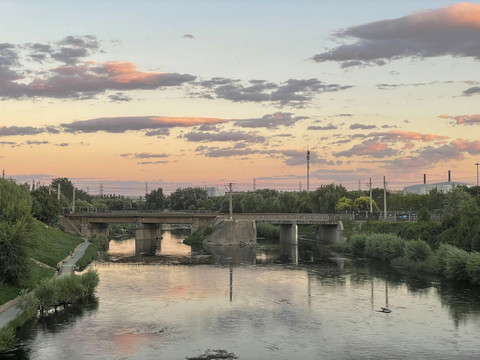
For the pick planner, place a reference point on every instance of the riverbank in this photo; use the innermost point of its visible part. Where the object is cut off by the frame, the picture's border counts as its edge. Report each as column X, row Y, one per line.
column 52, row 250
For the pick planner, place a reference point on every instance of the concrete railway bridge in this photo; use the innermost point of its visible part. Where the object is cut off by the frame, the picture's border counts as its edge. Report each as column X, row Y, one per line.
column 148, row 223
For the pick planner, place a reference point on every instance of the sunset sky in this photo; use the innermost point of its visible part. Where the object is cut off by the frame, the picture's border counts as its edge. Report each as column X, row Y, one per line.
column 204, row 93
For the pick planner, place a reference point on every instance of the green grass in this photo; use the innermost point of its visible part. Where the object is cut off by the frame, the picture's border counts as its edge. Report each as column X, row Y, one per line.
column 199, row 235
column 90, row 254
column 7, row 293
column 52, row 245
column 37, row 274
column 307, row 230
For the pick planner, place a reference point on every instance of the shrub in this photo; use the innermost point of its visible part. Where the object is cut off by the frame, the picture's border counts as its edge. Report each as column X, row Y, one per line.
column 384, row 247
column 268, row 231
column 89, row 281
column 101, row 240
column 7, row 339
column 417, row 250
column 454, row 262
column 47, row 295
column 70, row 289
column 473, row 267
column 357, row 244
column 423, row 215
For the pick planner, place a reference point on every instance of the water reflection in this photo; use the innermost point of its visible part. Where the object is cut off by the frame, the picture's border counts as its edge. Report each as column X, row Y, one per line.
column 312, row 306
column 170, row 243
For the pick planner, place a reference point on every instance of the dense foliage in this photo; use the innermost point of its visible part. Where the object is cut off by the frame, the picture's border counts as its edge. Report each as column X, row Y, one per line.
column 16, row 224
column 61, row 291
column 45, row 206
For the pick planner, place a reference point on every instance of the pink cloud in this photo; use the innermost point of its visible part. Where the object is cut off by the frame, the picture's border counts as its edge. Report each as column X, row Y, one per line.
column 472, row 147
column 463, row 119
column 398, row 135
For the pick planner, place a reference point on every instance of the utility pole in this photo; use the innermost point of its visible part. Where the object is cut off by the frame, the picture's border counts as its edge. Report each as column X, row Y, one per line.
column 477, row 172
column 371, row 202
column 146, row 188
column 254, row 184
column 384, row 199
column 3, row 173
column 308, row 170
column 230, row 207
column 73, row 200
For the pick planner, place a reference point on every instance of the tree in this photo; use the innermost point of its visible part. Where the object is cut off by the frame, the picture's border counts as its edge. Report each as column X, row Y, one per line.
column 363, row 204
column 326, row 197
column 45, row 206
column 155, row 200
column 182, row 199
column 288, row 202
column 16, row 230
column 251, row 202
column 423, row 214
column 66, row 187
column 344, row 204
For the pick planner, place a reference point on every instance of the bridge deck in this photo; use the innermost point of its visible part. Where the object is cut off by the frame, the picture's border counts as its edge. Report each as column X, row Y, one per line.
column 188, row 217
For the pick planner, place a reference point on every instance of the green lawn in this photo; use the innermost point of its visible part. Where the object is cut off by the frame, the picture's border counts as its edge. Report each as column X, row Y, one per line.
column 52, row 245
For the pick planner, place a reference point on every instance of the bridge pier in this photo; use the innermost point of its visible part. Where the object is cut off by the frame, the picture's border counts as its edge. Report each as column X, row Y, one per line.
column 146, row 236
column 91, row 229
column 289, row 234
column 289, row 242
column 330, row 233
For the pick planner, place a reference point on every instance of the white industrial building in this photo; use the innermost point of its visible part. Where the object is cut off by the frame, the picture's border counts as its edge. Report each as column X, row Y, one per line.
column 423, row 189
column 213, row 191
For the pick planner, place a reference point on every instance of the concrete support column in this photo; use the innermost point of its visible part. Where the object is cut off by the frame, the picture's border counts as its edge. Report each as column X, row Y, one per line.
column 91, row 229
column 146, row 236
column 289, row 234
column 330, row 233
column 289, row 242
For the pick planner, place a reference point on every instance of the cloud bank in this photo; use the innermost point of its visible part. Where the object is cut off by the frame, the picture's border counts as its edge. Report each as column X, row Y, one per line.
column 453, row 30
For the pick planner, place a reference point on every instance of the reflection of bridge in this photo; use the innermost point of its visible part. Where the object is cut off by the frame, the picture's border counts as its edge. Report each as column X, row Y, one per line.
column 147, row 223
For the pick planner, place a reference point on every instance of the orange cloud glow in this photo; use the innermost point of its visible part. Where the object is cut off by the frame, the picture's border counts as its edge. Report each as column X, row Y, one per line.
column 126, row 72
column 408, row 136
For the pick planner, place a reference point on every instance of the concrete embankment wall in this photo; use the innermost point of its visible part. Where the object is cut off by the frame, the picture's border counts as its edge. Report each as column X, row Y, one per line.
column 233, row 232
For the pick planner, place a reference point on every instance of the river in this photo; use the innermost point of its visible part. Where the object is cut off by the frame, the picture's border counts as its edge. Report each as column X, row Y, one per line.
column 253, row 305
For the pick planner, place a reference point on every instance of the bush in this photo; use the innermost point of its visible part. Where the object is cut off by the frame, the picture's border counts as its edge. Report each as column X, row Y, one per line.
column 454, row 262
column 47, row 295
column 101, row 241
column 268, row 231
column 199, row 235
column 7, row 339
column 473, row 267
column 89, row 281
column 384, row 247
column 357, row 244
column 423, row 215
column 417, row 250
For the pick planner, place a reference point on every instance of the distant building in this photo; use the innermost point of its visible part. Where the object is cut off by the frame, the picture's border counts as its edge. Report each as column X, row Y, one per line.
column 423, row 189
column 213, row 191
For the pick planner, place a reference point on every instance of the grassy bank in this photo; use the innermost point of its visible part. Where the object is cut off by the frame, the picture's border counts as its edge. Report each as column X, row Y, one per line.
column 50, row 246
column 98, row 246
column 199, row 235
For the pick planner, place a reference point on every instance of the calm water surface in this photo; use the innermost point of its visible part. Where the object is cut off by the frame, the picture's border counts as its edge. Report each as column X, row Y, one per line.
column 254, row 307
